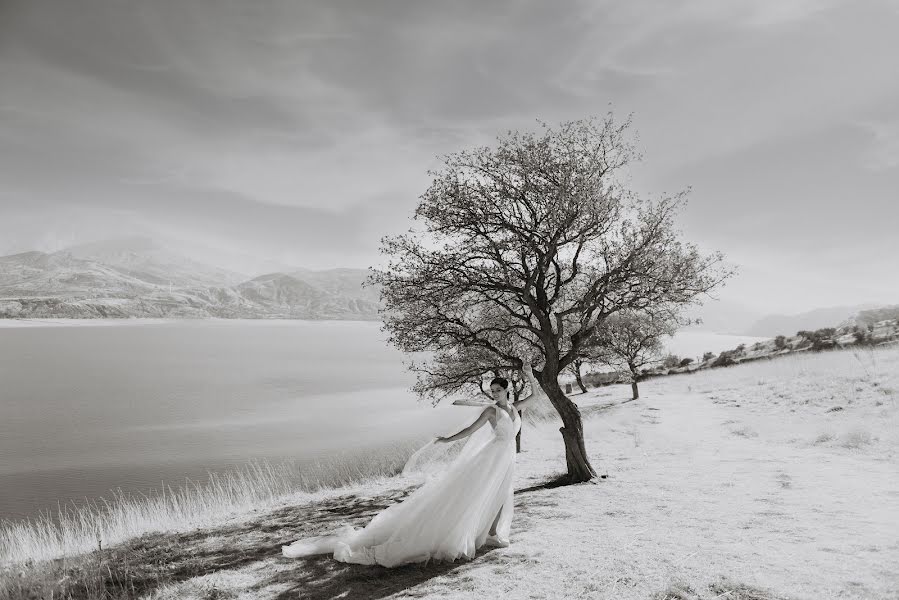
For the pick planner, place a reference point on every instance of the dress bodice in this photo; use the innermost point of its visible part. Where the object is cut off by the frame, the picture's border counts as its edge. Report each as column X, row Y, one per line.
column 506, row 426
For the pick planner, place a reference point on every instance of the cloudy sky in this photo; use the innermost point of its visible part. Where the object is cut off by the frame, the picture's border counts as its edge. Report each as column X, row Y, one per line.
column 301, row 132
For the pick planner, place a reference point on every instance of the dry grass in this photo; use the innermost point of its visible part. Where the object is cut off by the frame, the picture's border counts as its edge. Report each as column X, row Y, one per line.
column 76, row 531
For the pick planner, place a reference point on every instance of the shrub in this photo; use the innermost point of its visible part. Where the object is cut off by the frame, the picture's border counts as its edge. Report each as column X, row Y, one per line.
column 708, row 356
column 780, row 342
column 671, row 361
column 685, row 362
column 725, row 359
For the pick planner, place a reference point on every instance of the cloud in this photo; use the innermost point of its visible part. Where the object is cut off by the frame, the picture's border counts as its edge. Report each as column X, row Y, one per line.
column 883, row 152
column 302, row 132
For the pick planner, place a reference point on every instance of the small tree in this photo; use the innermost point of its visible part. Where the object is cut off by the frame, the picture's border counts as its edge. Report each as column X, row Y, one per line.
column 632, row 341
column 575, row 369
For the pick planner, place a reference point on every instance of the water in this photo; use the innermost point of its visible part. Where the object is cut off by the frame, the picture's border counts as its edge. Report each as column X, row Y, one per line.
column 91, row 406
column 87, row 408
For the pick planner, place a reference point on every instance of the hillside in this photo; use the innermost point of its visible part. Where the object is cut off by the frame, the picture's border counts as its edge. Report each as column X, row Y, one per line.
column 772, row 325
column 136, row 278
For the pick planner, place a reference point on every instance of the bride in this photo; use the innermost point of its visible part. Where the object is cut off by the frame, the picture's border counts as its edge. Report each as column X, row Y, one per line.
column 468, row 506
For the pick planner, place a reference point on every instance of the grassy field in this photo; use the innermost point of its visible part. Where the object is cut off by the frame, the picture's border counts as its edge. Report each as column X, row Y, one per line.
column 772, row 480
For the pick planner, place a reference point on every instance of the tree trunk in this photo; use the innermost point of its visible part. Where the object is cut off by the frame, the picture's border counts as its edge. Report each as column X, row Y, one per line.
column 518, row 437
column 517, row 391
column 577, row 375
column 635, row 390
column 579, row 468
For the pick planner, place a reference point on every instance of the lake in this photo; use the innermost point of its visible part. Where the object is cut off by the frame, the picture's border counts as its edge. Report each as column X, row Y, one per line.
column 91, row 406
column 86, row 408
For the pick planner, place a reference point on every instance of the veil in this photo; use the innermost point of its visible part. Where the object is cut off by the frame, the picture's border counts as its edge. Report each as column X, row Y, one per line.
column 433, row 459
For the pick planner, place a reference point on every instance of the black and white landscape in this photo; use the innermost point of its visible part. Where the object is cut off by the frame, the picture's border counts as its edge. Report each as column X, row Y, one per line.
column 136, row 278
column 266, row 265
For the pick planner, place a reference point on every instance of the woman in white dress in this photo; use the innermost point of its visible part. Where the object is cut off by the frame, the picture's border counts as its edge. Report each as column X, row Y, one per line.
column 453, row 515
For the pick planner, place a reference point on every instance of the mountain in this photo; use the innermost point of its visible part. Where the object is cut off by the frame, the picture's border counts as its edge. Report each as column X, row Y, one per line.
column 291, row 296
column 773, row 325
column 346, row 282
column 135, row 277
column 146, row 259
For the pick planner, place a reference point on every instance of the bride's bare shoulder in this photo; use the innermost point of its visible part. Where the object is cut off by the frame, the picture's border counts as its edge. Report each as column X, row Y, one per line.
column 488, row 414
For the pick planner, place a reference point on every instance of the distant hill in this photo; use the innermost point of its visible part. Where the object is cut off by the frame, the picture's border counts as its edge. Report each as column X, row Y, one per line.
column 773, row 325
column 145, row 258
column 134, row 277
column 875, row 315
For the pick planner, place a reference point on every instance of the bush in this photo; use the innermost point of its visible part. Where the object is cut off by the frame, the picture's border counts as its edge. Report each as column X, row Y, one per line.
column 780, row 342
column 708, row 356
column 604, row 378
column 741, row 347
column 671, row 361
column 725, row 359
column 685, row 362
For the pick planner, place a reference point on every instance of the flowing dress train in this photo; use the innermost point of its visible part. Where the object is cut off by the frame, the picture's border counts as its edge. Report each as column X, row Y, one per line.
column 446, row 518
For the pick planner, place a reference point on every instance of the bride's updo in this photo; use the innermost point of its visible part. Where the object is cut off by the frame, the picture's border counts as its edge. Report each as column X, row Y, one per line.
column 501, row 381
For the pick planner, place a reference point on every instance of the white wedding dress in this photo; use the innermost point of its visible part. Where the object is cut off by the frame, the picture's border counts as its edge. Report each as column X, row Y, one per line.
column 446, row 518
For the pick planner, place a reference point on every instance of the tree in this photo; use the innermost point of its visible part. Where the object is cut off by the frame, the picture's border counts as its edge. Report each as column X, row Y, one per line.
column 575, row 368
column 536, row 229
column 631, row 341
column 462, row 371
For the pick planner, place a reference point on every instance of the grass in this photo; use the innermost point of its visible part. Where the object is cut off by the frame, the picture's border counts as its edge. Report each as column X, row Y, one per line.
column 75, row 531
column 719, row 590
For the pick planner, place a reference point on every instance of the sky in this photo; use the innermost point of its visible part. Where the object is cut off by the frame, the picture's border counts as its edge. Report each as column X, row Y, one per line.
column 263, row 133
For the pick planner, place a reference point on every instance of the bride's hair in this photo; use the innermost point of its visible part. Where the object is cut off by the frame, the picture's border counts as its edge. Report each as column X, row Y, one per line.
column 502, row 381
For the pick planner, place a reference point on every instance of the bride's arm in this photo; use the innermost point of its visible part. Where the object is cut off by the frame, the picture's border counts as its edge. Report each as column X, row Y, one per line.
column 536, row 391
column 483, row 418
